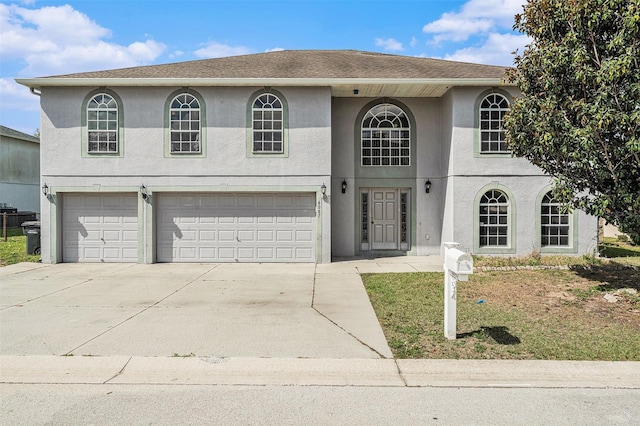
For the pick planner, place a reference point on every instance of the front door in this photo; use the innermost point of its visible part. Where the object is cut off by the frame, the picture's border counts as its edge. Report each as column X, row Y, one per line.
column 384, row 219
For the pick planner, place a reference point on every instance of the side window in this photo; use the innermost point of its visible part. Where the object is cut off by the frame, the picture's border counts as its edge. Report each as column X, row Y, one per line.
column 385, row 137
column 494, row 219
column 492, row 110
column 268, row 124
column 555, row 226
column 185, row 124
column 102, row 124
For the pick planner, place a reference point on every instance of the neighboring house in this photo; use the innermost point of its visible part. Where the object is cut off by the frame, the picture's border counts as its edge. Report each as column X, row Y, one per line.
column 19, row 170
column 290, row 156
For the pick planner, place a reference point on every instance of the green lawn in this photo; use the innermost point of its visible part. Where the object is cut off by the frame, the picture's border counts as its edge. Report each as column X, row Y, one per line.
column 524, row 314
column 621, row 251
column 14, row 250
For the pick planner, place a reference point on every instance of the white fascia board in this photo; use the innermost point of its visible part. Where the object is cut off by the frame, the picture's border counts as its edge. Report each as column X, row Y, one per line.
column 37, row 83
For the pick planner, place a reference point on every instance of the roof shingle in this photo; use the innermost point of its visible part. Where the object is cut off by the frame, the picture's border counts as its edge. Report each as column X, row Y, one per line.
column 307, row 64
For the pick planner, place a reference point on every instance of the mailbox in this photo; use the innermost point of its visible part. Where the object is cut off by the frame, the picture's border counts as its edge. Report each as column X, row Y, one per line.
column 458, row 265
column 459, row 262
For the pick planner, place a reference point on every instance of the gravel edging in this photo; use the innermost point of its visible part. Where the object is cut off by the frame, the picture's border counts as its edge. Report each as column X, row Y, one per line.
column 551, row 267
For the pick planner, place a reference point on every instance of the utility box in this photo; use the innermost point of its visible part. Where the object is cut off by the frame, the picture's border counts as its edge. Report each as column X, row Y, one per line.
column 32, row 230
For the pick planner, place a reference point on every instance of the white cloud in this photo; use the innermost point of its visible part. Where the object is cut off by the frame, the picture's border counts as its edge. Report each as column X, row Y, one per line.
column 497, row 50
column 476, row 17
column 275, row 49
column 414, row 42
column 219, row 50
column 17, row 97
column 59, row 39
column 389, row 44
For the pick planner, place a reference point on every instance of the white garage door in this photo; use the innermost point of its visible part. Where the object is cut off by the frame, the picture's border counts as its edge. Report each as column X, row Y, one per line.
column 236, row 228
column 100, row 228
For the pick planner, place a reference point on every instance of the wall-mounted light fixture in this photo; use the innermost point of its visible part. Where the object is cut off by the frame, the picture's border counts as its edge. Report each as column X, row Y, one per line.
column 356, row 91
column 45, row 190
column 427, row 186
column 344, row 186
column 323, row 188
column 143, row 192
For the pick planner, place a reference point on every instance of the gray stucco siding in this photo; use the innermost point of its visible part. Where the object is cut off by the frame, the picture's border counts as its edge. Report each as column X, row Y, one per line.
column 226, row 134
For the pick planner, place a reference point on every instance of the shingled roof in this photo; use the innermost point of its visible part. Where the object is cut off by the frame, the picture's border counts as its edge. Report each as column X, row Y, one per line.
column 345, row 72
column 299, row 64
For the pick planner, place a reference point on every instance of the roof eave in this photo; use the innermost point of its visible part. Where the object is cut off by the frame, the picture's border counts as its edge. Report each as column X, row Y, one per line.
column 38, row 83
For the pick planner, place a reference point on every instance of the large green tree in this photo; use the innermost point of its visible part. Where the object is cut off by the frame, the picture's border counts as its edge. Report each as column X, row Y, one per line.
column 578, row 117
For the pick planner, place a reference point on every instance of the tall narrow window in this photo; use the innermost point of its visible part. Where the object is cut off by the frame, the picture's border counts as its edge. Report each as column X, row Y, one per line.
column 364, row 237
column 185, row 124
column 385, row 137
column 494, row 219
column 554, row 223
column 492, row 111
column 267, row 124
column 102, row 124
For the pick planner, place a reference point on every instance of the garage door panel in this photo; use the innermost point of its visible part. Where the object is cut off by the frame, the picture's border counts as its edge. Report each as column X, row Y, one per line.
column 304, row 236
column 227, row 253
column 246, row 236
column 225, row 236
column 284, row 236
column 304, row 253
column 237, row 228
column 207, row 235
column 206, row 252
column 266, row 236
column 100, row 228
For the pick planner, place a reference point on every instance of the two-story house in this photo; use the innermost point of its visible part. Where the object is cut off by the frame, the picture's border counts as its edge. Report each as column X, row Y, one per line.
column 290, row 156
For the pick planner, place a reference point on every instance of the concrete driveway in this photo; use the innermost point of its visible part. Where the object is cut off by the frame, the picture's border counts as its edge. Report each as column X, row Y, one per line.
column 206, row 310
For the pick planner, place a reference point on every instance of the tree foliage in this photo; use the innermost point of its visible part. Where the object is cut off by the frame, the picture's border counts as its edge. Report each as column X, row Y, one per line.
column 578, row 117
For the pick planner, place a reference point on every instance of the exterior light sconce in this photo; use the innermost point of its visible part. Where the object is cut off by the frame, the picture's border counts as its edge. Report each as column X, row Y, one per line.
column 356, row 91
column 344, row 186
column 45, row 190
column 427, row 186
column 323, row 188
column 143, row 192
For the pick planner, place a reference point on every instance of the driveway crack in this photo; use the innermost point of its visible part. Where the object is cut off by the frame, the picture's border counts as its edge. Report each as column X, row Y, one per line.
column 119, row 372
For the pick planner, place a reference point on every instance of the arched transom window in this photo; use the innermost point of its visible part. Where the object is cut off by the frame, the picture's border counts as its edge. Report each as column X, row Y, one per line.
column 554, row 223
column 492, row 110
column 102, row 124
column 494, row 219
column 386, row 137
column 185, row 123
column 267, row 124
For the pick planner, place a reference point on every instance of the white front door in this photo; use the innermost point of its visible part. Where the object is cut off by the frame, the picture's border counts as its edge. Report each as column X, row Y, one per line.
column 385, row 215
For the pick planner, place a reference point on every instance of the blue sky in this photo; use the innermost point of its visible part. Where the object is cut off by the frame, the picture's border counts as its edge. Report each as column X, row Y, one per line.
column 43, row 38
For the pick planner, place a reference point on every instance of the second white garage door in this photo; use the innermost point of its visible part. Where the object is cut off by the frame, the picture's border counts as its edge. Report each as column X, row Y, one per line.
column 218, row 227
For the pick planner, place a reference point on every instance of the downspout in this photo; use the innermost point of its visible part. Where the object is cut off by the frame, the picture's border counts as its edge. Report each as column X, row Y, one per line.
column 35, row 92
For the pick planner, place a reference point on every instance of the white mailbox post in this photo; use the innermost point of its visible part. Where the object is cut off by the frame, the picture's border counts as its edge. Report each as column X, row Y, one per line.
column 458, row 265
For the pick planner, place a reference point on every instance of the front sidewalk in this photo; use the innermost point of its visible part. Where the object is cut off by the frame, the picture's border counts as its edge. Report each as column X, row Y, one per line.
column 318, row 372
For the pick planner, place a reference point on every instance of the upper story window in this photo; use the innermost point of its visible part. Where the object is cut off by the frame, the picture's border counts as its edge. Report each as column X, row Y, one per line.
column 494, row 219
column 268, row 119
column 492, row 136
column 385, row 137
column 102, row 124
column 185, row 124
column 555, row 225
